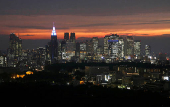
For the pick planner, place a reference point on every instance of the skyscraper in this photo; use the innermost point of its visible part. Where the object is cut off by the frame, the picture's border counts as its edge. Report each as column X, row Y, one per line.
column 53, row 45
column 95, row 43
column 121, row 48
column 63, row 50
column 137, row 48
column 82, row 50
column 89, row 47
column 147, row 50
column 72, row 37
column 106, row 45
column 14, row 50
column 113, row 46
column 66, row 36
column 130, row 46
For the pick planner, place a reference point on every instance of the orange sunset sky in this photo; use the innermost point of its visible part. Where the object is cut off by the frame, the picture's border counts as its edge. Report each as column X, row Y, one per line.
column 34, row 19
column 40, row 26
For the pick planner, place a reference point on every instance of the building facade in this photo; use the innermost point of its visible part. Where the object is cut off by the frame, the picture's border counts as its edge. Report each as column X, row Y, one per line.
column 14, row 50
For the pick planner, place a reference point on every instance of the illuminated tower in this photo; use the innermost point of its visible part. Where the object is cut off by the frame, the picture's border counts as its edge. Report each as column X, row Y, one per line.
column 113, row 46
column 53, row 45
column 95, row 43
column 14, row 50
column 137, row 48
column 106, row 45
column 121, row 47
column 147, row 50
column 130, row 46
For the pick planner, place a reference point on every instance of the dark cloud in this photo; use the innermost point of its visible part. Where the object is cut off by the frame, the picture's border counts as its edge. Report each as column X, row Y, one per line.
column 151, row 22
column 29, row 27
column 162, row 21
column 35, row 27
column 166, row 35
column 83, row 7
column 97, row 24
column 111, row 24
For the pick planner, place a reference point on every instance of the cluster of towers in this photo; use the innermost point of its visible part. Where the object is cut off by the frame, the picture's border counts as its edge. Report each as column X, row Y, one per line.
column 56, row 51
column 114, row 48
column 119, row 48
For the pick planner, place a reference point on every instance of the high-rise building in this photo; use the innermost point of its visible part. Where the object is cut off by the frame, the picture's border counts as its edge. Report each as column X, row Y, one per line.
column 106, row 45
column 130, row 46
column 53, row 45
column 66, row 36
column 41, row 56
column 3, row 60
column 82, row 50
column 95, row 43
column 59, row 50
column 137, row 48
column 89, row 47
column 14, row 50
column 63, row 50
column 121, row 48
column 70, row 50
column 113, row 46
column 99, row 50
column 147, row 50
column 47, row 47
column 77, row 54
column 72, row 37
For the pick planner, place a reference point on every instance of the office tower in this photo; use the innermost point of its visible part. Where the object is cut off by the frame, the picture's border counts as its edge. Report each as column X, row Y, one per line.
column 47, row 47
column 71, row 46
column 121, row 48
column 15, row 45
column 53, row 45
column 77, row 49
column 72, row 37
column 41, row 56
column 82, row 46
column 89, row 47
column 14, row 50
column 59, row 50
column 66, row 36
column 137, row 48
column 95, row 43
column 113, row 46
column 130, row 46
column 3, row 60
column 63, row 49
column 70, row 49
column 106, row 45
column 99, row 50
column 147, row 50
column 82, row 50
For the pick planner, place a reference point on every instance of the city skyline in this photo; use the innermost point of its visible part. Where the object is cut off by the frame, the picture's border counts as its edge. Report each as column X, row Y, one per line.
column 33, row 44
column 32, row 20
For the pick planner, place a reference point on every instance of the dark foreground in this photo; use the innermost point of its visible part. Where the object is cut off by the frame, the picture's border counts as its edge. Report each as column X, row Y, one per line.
column 41, row 94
